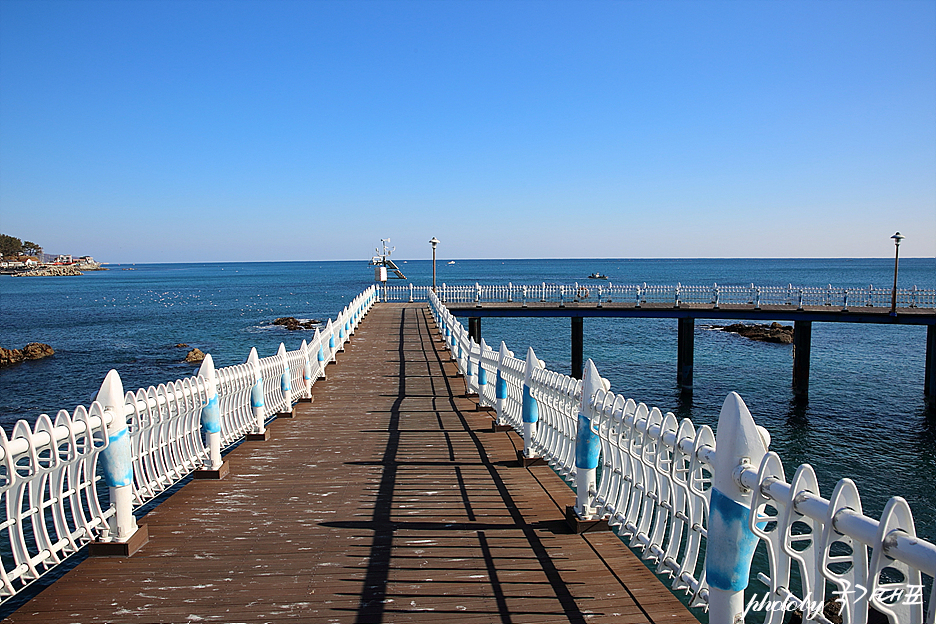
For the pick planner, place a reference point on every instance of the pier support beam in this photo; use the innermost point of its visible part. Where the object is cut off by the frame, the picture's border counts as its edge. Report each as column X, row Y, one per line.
column 685, row 350
column 474, row 328
column 929, row 379
column 578, row 342
column 802, row 340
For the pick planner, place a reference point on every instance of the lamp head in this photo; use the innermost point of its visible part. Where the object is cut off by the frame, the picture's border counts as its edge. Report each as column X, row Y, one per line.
column 434, row 241
column 897, row 238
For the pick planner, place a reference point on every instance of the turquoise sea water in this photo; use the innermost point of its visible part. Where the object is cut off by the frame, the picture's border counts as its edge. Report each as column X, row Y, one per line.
column 866, row 417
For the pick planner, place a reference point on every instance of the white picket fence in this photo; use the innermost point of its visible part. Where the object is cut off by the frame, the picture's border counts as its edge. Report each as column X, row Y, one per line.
column 52, row 474
column 600, row 292
column 670, row 489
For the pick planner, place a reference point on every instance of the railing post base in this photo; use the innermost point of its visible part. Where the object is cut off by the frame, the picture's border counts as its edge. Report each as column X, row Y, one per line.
column 121, row 549
column 213, row 474
column 290, row 414
column 310, row 399
column 258, row 437
column 497, row 427
column 526, row 462
column 580, row 526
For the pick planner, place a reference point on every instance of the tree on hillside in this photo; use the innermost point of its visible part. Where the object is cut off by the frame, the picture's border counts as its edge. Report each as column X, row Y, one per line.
column 10, row 246
column 31, row 249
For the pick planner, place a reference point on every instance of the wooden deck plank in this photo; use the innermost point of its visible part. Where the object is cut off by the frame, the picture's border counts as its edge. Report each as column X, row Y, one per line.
column 385, row 500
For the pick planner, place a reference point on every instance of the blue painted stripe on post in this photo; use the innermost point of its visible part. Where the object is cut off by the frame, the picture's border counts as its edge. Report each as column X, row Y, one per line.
column 587, row 446
column 284, row 382
column 530, row 408
column 115, row 460
column 211, row 416
column 500, row 387
column 728, row 567
column 256, row 395
column 482, row 376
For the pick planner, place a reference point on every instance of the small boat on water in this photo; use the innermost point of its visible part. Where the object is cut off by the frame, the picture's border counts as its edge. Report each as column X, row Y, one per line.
column 452, row 262
column 597, row 276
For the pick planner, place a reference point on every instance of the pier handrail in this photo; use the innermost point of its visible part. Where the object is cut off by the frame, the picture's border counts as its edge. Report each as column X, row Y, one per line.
column 140, row 444
column 670, row 489
column 600, row 292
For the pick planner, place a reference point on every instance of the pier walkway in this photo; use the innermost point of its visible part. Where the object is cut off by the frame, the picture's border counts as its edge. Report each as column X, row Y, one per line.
column 387, row 499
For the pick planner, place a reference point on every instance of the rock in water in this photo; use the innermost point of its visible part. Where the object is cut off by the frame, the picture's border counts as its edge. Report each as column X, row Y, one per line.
column 292, row 323
column 32, row 351
column 8, row 357
column 194, row 356
column 37, row 351
column 775, row 332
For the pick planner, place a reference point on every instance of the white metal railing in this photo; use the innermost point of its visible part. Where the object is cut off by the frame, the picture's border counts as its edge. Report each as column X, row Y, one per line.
column 557, row 396
column 698, row 513
column 600, row 292
column 487, row 375
column 139, row 444
column 166, row 440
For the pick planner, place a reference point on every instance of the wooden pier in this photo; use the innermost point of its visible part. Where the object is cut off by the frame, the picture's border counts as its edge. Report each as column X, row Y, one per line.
column 387, row 499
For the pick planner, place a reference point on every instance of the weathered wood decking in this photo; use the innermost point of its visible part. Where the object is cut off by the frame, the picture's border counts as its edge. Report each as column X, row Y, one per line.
column 385, row 500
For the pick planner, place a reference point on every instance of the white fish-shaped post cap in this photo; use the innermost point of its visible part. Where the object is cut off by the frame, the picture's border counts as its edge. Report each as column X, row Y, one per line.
column 253, row 360
column 532, row 363
column 111, row 394
column 592, row 382
column 207, row 370
column 738, row 440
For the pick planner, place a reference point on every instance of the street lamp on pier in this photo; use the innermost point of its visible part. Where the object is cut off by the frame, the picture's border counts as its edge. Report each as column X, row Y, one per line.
column 897, row 238
column 434, row 241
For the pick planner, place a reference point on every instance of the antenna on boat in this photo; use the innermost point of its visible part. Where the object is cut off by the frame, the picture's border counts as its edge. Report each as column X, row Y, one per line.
column 382, row 263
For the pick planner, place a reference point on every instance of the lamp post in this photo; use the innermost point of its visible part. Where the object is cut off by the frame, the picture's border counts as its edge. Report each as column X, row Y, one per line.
column 434, row 241
column 897, row 238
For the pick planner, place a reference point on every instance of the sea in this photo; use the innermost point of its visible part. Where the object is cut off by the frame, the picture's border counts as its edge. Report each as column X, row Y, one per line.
column 865, row 419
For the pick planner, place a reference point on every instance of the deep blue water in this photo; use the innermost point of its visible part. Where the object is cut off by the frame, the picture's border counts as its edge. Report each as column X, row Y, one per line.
column 866, row 417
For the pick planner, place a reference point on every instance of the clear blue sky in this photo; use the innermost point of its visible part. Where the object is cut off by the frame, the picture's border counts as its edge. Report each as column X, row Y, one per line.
column 288, row 130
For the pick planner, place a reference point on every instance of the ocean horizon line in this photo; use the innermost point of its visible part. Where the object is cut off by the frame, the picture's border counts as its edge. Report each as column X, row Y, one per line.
column 604, row 259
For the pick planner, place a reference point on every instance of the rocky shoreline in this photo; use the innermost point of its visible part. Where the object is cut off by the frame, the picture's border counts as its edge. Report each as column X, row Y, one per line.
column 49, row 271
column 32, row 351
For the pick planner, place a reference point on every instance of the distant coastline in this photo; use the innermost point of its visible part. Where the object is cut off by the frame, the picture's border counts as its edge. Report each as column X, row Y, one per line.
column 54, row 269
